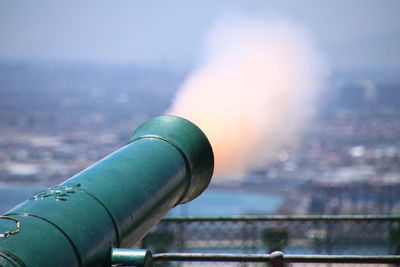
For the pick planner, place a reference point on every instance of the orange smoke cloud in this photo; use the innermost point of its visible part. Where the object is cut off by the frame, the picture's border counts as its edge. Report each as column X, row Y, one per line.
column 254, row 91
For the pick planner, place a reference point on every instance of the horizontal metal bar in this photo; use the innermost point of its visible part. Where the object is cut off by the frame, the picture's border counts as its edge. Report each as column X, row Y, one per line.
column 274, row 257
column 212, row 257
column 287, row 218
column 341, row 259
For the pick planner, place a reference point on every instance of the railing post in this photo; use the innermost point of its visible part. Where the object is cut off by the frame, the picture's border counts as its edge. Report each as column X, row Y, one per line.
column 277, row 259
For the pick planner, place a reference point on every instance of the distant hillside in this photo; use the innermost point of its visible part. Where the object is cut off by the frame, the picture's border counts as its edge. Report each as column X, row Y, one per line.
column 43, row 92
column 25, row 86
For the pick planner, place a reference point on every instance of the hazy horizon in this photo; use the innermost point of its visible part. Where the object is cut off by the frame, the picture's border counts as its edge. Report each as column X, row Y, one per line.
column 354, row 36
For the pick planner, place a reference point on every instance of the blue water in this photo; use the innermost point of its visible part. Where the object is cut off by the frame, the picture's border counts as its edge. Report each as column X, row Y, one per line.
column 10, row 197
column 212, row 202
column 219, row 202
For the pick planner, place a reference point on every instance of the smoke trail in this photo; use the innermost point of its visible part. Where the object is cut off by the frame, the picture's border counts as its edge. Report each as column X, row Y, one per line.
column 254, row 91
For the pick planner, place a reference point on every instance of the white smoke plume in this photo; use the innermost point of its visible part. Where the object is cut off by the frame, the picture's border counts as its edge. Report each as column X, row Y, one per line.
column 254, row 92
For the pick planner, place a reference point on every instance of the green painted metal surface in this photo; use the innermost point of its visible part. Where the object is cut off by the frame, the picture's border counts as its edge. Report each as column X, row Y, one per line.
column 114, row 202
column 131, row 257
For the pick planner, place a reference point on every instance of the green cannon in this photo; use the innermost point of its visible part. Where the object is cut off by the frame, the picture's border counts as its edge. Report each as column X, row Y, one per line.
column 111, row 204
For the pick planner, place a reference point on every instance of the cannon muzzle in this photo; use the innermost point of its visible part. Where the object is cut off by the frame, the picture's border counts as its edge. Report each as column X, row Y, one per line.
column 113, row 203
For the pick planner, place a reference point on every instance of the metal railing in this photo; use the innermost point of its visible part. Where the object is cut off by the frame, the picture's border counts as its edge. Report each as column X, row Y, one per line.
column 322, row 238
column 277, row 258
column 144, row 258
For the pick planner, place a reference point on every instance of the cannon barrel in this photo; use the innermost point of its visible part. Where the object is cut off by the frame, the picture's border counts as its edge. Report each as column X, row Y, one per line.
column 113, row 203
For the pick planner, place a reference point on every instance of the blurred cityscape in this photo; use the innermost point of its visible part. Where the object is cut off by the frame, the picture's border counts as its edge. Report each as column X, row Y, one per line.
column 57, row 118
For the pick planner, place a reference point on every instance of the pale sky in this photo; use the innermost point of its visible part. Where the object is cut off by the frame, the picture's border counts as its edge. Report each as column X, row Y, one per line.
column 352, row 34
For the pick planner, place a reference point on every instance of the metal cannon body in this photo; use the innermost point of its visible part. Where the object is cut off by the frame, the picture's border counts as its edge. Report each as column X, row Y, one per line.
column 113, row 203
